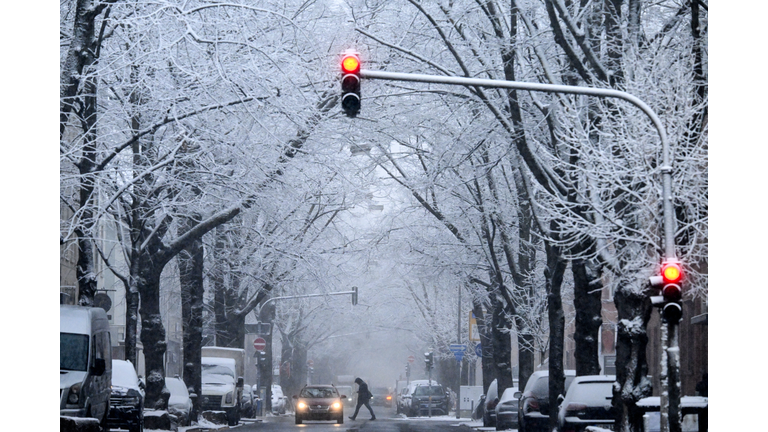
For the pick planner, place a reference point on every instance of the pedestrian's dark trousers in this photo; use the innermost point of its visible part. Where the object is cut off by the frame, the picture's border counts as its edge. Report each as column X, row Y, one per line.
column 367, row 405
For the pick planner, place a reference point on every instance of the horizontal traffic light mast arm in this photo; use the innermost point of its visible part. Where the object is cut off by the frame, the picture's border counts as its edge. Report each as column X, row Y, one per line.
column 304, row 296
column 666, row 168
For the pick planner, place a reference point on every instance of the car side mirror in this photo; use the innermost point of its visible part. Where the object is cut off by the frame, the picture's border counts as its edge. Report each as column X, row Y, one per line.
column 560, row 398
column 343, row 396
column 193, row 396
column 517, row 395
column 295, row 397
column 240, row 382
column 99, row 367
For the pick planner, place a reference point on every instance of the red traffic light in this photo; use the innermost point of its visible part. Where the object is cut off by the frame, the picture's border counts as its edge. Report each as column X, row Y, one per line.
column 671, row 273
column 350, row 64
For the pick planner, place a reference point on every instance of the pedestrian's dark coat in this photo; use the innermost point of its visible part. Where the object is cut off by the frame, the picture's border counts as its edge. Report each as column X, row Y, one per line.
column 362, row 391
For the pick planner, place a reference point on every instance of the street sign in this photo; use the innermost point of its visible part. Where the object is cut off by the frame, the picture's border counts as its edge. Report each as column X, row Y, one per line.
column 479, row 350
column 411, row 359
column 474, row 331
column 458, row 350
column 259, row 344
column 310, row 363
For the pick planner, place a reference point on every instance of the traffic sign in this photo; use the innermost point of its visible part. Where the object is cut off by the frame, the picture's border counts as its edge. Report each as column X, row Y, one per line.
column 458, row 350
column 411, row 359
column 479, row 350
column 259, row 344
column 310, row 363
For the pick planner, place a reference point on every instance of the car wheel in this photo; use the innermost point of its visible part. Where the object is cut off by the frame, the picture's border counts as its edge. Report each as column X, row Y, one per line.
column 298, row 420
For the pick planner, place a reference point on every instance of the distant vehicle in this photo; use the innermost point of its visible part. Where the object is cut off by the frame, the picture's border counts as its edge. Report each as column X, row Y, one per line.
column 491, row 399
column 85, row 363
column 533, row 414
column 246, row 404
column 381, row 396
column 507, row 409
column 351, row 395
column 279, row 400
column 222, row 379
column 588, row 403
column 319, row 402
column 126, row 406
column 427, row 399
column 180, row 402
column 405, row 396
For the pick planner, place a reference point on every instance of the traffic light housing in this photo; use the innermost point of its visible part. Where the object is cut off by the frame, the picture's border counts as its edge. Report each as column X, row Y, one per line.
column 350, row 83
column 408, row 369
column 429, row 360
column 262, row 357
column 670, row 285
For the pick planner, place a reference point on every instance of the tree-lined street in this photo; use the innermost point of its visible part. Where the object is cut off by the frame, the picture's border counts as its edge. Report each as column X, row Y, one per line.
column 223, row 177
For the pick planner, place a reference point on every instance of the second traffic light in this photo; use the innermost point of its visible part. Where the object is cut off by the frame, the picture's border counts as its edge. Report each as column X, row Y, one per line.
column 429, row 360
column 670, row 285
column 350, row 83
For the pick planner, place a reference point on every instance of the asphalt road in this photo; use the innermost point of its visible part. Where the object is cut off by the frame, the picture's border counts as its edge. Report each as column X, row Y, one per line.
column 386, row 421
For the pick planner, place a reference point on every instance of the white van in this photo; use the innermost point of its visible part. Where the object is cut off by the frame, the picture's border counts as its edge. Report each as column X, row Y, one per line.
column 85, row 362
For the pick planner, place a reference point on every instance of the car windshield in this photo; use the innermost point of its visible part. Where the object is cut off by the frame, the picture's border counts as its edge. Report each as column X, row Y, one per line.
column 319, row 392
column 176, row 386
column 123, row 375
column 428, row 391
column 592, row 392
column 73, row 352
column 216, row 374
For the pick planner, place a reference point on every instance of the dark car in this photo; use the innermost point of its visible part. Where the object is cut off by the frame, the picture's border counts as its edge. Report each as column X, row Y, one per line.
column 507, row 409
column 126, row 403
column 429, row 397
column 319, row 402
column 489, row 404
column 247, row 404
column 588, row 403
column 533, row 414
column 381, row 396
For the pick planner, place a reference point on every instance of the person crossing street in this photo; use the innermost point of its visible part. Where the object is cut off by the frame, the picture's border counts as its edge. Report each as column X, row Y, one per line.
column 363, row 398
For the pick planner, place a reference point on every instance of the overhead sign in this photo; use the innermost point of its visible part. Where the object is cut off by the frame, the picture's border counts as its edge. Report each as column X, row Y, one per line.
column 259, row 344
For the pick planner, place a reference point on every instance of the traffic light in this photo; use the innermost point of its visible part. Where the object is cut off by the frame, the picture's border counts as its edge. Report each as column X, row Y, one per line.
column 350, row 83
column 408, row 369
column 429, row 360
column 670, row 285
column 262, row 357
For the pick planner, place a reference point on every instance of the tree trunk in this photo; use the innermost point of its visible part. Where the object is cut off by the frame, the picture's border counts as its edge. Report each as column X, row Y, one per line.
column 587, row 301
column 191, row 262
column 502, row 346
column 634, row 312
column 554, row 279
column 153, row 337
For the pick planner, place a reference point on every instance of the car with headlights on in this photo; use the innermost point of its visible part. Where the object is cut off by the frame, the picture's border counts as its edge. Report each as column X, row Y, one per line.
column 428, row 400
column 319, row 402
column 588, row 403
column 381, row 396
column 507, row 409
column 126, row 402
column 351, row 395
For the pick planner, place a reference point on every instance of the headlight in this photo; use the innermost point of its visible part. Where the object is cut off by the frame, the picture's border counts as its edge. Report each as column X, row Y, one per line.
column 74, row 394
column 228, row 398
column 301, row 405
column 336, row 405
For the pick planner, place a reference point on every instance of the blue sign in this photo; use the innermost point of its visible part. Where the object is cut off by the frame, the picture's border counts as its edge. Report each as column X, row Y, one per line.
column 479, row 350
column 458, row 350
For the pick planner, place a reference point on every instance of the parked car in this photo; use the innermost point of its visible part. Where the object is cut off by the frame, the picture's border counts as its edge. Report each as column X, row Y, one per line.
column 533, row 414
column 319, row 402
column 404, row 399
column 126, row 402
column 507, row 409
column 491, row 399
column 85, row 362
column 247, row 404
column 588, row 403
column 279, row 400
column 429, row 398
column 381, row 396
column 180, row 402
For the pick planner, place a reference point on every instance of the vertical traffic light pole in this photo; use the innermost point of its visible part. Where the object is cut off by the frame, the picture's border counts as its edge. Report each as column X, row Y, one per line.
column 671, row 350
